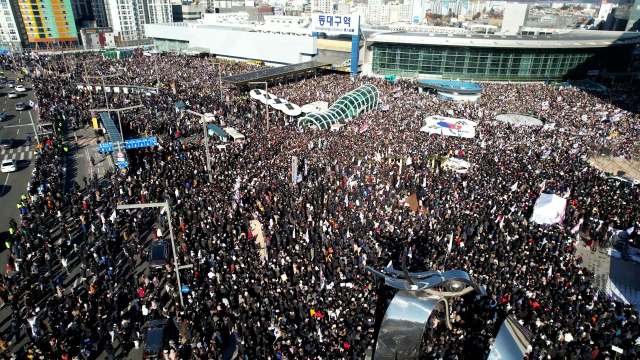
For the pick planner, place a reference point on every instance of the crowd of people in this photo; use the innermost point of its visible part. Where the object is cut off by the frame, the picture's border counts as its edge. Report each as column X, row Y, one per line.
column 278, row 265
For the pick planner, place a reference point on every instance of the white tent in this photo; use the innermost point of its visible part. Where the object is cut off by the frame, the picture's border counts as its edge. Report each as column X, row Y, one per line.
column 549, row 209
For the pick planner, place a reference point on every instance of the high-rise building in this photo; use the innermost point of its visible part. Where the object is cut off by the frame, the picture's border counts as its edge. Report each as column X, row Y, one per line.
column 158, row 11
column 99, row 13
column 321, row 6
column 81, row 9
column 49, row 23
column 127, row 17
column 13, row 34
column 375, row 11
column 515, row 15
column 634, row 17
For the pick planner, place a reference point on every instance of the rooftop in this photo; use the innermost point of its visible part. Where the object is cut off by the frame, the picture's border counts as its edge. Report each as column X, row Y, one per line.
column 574, row 39
column 274, row 73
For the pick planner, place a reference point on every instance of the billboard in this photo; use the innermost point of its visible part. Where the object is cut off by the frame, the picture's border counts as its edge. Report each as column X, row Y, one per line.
column 336, row 24
column 278, row 11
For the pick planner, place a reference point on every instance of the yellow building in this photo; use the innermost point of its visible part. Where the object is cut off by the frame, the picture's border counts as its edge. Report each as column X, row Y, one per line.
column 50, row 24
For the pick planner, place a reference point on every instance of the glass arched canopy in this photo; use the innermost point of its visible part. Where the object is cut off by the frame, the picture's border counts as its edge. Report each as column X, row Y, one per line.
column 362, row 99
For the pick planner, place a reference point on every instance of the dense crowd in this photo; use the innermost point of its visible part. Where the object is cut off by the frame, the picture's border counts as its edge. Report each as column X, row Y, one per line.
column 303, row 293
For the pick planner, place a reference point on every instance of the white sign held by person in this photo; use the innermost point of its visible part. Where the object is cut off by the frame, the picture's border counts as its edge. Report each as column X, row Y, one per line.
column 336, row 24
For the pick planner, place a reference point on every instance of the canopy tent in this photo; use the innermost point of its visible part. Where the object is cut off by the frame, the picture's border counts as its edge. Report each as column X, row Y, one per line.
column 549, row 209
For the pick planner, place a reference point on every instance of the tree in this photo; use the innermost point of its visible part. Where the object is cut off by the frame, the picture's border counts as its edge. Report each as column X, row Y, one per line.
column 476, row 16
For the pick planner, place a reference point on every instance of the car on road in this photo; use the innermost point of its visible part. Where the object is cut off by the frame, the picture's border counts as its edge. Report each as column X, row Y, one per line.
column 12, row 94
column 7, row 143
column 9, row 165
column 20, row 88
column 3, row 116
column 21, row 106
column 159, row 252
column 156, row 339
column 11, row 83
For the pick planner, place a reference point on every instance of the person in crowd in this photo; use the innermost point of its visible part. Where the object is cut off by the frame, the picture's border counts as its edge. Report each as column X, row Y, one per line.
column 277, row 264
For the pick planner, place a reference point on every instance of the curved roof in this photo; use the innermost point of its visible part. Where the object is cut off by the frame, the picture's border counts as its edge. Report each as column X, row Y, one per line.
column 573, row 39
column 445, row 85
column 362, row 99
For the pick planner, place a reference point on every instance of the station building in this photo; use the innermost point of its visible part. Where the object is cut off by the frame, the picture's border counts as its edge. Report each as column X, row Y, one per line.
column 383, row 51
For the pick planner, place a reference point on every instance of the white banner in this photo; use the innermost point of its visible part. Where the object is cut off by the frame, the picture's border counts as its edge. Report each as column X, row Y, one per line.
column 336, row 24
column 116, row 89
column 107, row 89
column 125, row 90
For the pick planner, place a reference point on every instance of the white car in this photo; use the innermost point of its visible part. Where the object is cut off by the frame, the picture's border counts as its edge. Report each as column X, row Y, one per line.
column 20, row 88
column 9, row 165
column 12, row 94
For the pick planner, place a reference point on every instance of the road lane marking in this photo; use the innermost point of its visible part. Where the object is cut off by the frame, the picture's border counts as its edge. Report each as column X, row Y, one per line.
column 5, row 185
column 18, row 132
column 21, row 156
column 3, row 151
column 30, row 154
column 5, row 157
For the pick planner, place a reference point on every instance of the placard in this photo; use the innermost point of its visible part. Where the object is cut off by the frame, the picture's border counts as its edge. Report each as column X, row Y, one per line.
column 336, row 24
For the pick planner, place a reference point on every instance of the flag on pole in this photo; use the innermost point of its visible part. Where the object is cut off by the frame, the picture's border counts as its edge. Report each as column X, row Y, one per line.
column 390, row 264
column 113, row 216
column 514, row 187
column 549, row 272
column 450, row 243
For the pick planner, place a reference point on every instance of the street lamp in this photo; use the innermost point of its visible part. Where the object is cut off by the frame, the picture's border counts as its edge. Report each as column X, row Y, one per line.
column 173, row 243
column 103, row 86
column 206, row 142
column 85, row 75
column 266, row 102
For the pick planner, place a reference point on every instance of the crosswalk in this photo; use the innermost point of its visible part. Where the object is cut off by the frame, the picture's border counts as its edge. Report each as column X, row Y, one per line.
column 18, row 153
column 87, row 141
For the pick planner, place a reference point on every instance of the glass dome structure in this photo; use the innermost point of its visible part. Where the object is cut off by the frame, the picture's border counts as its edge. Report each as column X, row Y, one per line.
column 362, row 99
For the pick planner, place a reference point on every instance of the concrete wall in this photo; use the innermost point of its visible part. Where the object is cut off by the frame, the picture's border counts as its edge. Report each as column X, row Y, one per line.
column 283, row 49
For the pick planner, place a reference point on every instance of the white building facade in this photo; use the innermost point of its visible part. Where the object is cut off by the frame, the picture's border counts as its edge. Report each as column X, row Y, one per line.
column 321, row 6
column 515, row 15
column 13, row 34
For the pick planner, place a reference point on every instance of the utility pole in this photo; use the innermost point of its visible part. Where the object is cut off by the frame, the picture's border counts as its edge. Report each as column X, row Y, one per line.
column 85, row 75
column 34, row 128
column 176, row 267
column 206, row 142
column 266, row 102
column 103, row 87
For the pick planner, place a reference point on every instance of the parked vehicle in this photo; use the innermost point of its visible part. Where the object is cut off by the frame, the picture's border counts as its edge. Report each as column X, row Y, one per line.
column 156, row 339
column 159, row 252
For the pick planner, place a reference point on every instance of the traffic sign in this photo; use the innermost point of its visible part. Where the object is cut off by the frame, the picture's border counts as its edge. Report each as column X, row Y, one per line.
column 106, row 146
column 185, row 289
column 138, row 143
column 120, row 156
column 123, row 164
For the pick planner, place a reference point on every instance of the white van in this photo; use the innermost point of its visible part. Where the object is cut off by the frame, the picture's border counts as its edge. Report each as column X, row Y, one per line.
column 234, row 134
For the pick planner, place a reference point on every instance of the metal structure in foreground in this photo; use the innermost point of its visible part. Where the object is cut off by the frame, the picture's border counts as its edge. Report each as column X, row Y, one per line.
column 425, row 294
column 173, row 244
column 206, row 142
